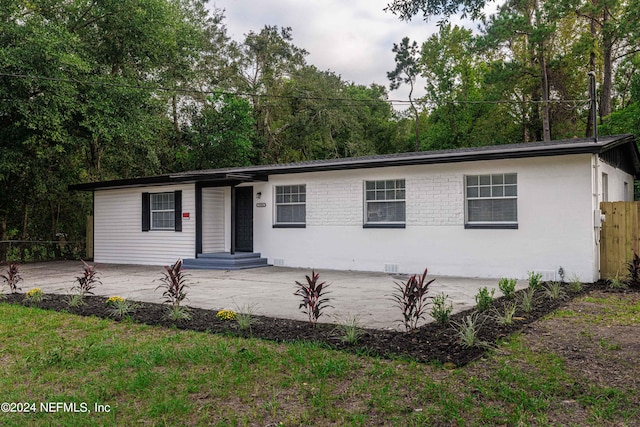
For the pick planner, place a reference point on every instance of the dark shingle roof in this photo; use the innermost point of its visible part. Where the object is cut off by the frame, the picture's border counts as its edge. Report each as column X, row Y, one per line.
column 509, row 151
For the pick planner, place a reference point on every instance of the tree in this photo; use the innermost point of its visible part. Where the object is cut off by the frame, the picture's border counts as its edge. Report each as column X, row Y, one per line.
column 407, row 69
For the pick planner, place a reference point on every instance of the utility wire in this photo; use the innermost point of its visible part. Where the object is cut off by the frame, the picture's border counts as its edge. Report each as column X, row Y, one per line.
column 351, row 101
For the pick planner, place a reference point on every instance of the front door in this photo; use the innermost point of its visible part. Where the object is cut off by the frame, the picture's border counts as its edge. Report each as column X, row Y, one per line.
column 244, row 219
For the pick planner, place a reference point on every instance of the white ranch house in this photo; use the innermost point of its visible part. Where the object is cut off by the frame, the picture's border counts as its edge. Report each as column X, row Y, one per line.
column 498, row 211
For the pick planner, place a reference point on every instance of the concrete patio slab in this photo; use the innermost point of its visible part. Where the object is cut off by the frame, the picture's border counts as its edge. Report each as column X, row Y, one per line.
column 268, row 290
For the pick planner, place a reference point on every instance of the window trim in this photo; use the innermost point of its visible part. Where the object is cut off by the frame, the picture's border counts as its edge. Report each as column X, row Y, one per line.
column 383, row 224
column 277, row 224
column 147, row 217
column 157, row 211
column 489, row 225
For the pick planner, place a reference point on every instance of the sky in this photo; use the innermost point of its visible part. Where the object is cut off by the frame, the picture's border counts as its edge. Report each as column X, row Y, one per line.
column 352, row 38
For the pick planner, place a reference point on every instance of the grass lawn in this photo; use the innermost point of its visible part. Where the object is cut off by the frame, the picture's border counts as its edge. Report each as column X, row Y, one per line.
column 155, row 376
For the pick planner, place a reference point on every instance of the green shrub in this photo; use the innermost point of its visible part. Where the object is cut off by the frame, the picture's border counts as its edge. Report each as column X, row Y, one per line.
column 439, row 309
column 484, row 299
column 508, row 287
column 535, row 280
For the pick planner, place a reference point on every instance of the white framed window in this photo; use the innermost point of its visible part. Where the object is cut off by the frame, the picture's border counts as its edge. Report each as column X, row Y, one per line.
column 163, row 211
column 491, row 201
column 385, row 203
column 290, row 205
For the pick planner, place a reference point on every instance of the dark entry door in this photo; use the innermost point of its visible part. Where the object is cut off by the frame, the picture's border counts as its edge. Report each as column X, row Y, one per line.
column 244, row 219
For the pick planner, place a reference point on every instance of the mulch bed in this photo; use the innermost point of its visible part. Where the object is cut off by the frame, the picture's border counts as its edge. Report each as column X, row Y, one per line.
column 429, row 343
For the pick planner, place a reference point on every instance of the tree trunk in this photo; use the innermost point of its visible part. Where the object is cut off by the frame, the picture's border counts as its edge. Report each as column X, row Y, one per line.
column 3, row 238
column 607, row 72
column 546, row 122
column 176, row 125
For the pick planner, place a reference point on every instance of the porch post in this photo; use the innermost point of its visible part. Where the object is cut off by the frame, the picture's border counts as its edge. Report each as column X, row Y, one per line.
column 198, row 219
column 233, row 219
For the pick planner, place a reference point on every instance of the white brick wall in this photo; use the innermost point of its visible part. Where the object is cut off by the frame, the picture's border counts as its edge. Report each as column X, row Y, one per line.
column 435, row 201
column 334, row 203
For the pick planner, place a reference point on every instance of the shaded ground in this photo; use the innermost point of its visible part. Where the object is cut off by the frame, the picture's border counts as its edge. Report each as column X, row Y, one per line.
column 430, row 343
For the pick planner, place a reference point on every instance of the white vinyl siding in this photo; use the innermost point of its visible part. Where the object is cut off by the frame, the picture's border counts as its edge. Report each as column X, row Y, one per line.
column 385, row 202
column 118, row 236
column 492, row 199
column 213, row 210
column 291, row 203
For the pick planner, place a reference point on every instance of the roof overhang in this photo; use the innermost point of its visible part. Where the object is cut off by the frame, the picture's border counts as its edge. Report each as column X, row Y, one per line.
column 234, row 176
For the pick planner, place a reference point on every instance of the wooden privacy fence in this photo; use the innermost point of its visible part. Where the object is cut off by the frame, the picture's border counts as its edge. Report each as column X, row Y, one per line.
column 619, row 237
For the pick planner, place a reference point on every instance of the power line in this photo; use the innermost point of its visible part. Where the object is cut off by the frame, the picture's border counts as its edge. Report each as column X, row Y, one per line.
column 351, row 101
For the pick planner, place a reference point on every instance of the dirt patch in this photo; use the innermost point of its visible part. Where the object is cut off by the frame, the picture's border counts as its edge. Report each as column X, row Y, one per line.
column 430, row 343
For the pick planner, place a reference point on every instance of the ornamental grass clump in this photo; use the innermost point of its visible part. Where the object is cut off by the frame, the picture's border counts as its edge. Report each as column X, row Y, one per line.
column 226, row 315
column 245, row 317
column 506, row 316
column 12, row 277
column 120, row 307
column 349, row 329
column 411, row 297
column 528, row 300
column 468, row 331
column 174, row 285
column 34, row 296
column 507, row 287
column 555, row 291
column 313, row 294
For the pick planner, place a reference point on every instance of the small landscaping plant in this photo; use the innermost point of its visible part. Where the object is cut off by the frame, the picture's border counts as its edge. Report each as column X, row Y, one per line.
column 468, row 331
column 439, row 309
column 88, row 281
column 75, row 300
column 12, row 277
column 617, row 283
column 527, row 301
column 575, row 284
column 313, row 294
column 484, row 299
column 411, row 297
column 174, row 285
column 507, row 287
column 33, row 296
column 226, row 315
column 120, row 307
column 350, row 329
column 245, row 317
column 554, row 291
column 505, row 317
column 633, row 268
column 535, row 280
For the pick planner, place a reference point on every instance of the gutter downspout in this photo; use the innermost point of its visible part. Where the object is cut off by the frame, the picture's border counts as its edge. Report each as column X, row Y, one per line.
column 596, row 216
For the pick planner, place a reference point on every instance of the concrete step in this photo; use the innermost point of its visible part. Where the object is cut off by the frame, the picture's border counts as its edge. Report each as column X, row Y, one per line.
column 225, row 261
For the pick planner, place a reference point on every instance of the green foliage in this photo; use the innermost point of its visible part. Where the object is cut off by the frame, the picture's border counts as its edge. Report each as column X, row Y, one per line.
column 174, row 284
column 439, row 309
column 245, row 317
column 468, row 330
column 34, row 296
column 411, row 298
column 575, row 284
column 313, row 295
column 507, row 314
column 484, row 298
column 528, row 299
column 119, row 308
column 350, row 329
column 75, row 300
column 12, row 277
column 89, row 279
column 508, row 287
column 535, row 280
column 555, row 290
column 176, row 313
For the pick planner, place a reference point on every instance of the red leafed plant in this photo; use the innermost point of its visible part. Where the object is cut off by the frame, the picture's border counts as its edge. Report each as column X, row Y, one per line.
column 313, row 297
column 175, row 283
column 411, row 297
column 89, row 279
column 12, row 277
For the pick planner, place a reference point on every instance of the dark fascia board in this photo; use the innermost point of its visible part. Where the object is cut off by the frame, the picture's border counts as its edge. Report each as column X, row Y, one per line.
column 261, row 173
